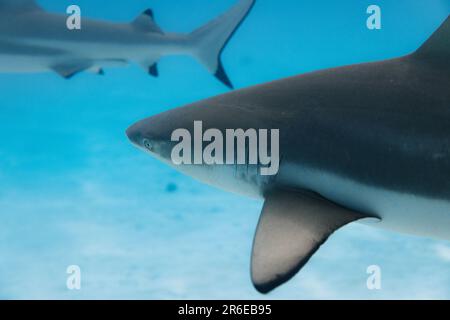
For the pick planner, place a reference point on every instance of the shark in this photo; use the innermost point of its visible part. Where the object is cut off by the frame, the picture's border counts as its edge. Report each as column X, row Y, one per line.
column 33, row 40
column 366, row 143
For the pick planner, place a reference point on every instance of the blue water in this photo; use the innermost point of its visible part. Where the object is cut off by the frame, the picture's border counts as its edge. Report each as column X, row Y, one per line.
column 73, row 191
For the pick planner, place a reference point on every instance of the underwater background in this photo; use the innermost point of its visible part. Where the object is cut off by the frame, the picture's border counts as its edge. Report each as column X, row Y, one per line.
column 74, row 191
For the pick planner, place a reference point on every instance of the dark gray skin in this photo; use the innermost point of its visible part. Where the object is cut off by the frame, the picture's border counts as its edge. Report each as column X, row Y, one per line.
column 373, row 139
column 348, row 120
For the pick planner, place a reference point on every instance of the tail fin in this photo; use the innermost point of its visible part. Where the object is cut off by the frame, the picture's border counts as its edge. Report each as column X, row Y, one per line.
column 209, row 41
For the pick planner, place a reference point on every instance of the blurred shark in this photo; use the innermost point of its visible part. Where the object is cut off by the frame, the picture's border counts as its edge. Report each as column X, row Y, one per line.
column 32, row 40
column 367, row 142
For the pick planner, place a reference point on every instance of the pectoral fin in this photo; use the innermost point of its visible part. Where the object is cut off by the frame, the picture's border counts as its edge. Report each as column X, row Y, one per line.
column 68, row 70
column 292, row 227
column 151, row 66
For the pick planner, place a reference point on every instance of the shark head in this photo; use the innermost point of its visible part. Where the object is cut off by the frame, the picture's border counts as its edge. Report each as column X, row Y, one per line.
column 152, row 136
column 214, row 143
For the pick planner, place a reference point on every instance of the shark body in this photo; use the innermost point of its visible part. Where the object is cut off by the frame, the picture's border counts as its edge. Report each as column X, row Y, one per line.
column 367, row 142
column 33, row 40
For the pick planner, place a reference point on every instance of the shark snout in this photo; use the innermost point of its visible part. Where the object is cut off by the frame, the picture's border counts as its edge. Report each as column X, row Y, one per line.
column 146, row 136
column 134, row 134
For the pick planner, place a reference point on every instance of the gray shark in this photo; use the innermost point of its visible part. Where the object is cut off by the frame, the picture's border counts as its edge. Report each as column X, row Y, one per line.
column 33, row 40
column 367, row 142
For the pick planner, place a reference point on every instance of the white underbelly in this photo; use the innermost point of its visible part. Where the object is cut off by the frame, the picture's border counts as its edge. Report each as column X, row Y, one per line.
column 406, row 213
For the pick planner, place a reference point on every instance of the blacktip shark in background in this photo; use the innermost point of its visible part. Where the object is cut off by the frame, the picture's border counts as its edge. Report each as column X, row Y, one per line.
column 367, row 142
column 33, row 40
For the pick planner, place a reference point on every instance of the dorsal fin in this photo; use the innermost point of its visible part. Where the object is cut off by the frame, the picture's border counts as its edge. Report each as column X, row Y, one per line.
column 437, row 48
column 18, row 5
column 146, row 22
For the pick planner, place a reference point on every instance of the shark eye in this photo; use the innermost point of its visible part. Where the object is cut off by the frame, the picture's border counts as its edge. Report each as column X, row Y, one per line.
column 147, row 144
